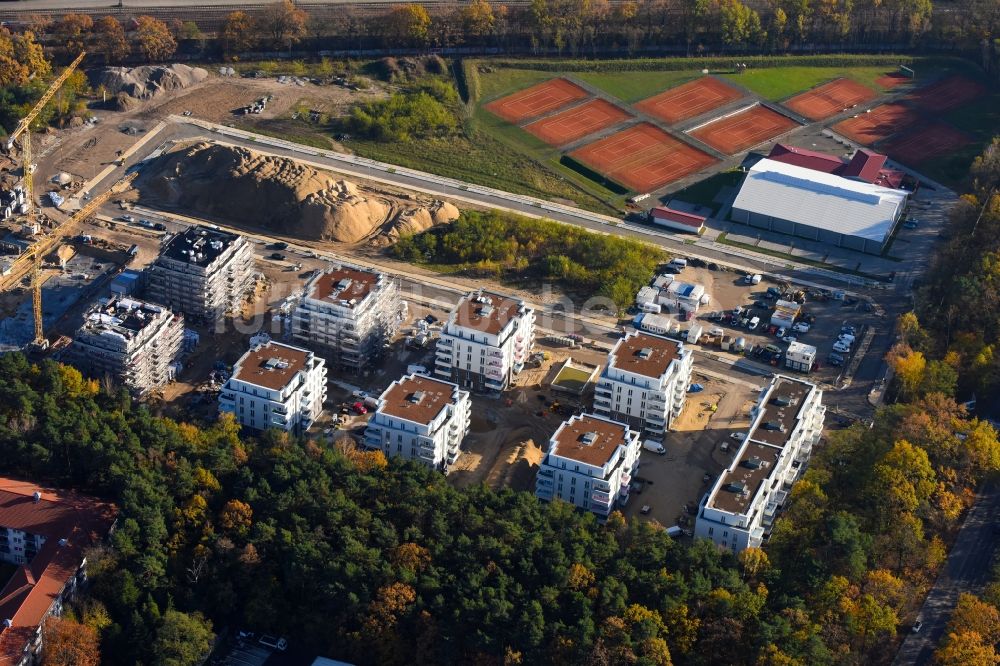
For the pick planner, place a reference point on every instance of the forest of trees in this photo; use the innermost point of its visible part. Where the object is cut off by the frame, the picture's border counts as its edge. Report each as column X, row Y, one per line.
column 386, row 563
column 517, row 248
column 568, row 27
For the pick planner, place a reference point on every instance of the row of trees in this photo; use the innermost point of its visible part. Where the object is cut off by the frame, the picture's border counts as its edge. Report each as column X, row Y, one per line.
column 518, row 248
column 147, row 38
column 570, row 26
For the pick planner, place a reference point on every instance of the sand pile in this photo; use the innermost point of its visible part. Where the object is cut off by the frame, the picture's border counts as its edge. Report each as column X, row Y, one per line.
column 129, row 85
column 280, row 194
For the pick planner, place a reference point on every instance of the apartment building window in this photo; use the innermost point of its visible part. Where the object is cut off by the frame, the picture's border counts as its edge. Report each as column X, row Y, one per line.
column 572, row 481
column 711, row 530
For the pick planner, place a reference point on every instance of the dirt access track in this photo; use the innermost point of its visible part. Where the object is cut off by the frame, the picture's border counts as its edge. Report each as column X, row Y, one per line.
column 85, row 151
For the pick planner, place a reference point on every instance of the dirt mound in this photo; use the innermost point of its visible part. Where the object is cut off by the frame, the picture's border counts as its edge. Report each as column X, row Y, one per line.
column 283, row 195
column 130, row 85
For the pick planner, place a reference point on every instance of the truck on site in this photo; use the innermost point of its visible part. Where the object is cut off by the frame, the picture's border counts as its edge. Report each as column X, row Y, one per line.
column 654, row 446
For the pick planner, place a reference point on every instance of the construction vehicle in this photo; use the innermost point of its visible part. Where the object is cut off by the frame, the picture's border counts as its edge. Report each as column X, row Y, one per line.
column 31, row 260
column 22, row 132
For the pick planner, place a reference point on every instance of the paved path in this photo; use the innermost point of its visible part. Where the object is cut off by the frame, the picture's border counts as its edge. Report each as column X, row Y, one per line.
column 966, row 570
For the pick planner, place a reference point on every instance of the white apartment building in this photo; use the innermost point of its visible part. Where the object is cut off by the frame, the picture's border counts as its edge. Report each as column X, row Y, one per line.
column 645, row 382
column 485, row 341
column 202, row 272
column 742, row 505
column 348, row 316
column 131, row 341
column 422, row 419
column 276, row 386
column 590, row 463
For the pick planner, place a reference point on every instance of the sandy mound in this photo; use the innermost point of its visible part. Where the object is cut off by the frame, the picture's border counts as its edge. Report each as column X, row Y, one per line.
column 132, row 84
column 278, row 193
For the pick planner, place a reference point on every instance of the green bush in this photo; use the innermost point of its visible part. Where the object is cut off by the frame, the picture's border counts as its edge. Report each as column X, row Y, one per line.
column 657, row 64
column 518, row 247
column 418, row 112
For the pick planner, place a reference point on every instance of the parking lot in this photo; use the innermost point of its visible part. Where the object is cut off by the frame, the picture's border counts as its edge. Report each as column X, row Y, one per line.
column 697, row 450
column 825, row 312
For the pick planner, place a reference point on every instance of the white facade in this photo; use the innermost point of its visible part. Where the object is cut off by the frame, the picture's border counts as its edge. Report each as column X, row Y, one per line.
column 800, row 356
column 348, row 316
column 590, row 464
column 819, row 206
column 421, row 419
column 645, row 382
column 276, row 386
column 682, row 296
column 741, row 507
column 486, row 340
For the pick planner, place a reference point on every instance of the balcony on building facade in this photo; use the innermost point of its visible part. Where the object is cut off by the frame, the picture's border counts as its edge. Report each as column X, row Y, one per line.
column 543, row 493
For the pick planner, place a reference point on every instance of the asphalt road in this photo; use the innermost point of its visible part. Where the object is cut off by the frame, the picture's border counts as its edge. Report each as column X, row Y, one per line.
column 967, row 569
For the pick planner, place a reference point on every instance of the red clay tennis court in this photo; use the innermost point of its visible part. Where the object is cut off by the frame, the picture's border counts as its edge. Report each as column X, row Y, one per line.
column 745, row 129
column 926, row 142
column 892, row 79
column 830, row 99
column 947, row 94
column 642, row 157
column 881, row 123
column 689, row 100
column 572, row 124
column 536, row 100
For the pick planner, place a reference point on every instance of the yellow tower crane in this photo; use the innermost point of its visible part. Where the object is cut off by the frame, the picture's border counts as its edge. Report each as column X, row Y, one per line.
column 35, row 253
column 27, row 169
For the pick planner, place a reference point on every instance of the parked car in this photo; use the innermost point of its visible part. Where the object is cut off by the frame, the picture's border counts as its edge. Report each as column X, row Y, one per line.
column 277, row 256
column 911, row 224
column 696, row 388
column 780, row 334
column 754, row 323
column 645, row 509
column 128, row 218
column 774, row 349
column 738, row 436
column 917, row 626
column 789, row 339
column 278, row 246
column 846, row 338
column 801, row 327
column 841, row 347
column 849, row 330
column 159, row 226
column 359, row 408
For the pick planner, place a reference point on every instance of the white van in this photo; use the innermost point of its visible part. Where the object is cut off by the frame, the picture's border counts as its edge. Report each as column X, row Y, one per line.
column 416, row 370
column 678, row 264
column 654, row 446
column 674, row 532
column 655, row 308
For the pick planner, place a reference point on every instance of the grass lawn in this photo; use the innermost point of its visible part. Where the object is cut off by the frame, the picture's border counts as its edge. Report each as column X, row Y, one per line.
column 635, row 86
column 778, row 83
column 503, row 81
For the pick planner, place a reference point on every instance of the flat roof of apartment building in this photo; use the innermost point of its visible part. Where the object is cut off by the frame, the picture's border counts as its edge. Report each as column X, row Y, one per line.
column 346, row 285
column 486, row 312
column 780, row 411
column 737, row 487
column 198, row 245
column 124, row 316
column 272, row 366
column 417, row 398
column 645, row 354
column 69, row 522
column 589, row 439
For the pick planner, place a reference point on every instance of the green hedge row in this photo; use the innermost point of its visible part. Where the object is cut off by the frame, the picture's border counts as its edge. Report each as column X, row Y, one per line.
column 467, row 76
column 716, row 63
column 589, row 173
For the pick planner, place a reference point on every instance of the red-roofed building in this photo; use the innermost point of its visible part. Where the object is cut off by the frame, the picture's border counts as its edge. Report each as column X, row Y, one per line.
column 865, row 166
column 676, row 219
column 44, row 533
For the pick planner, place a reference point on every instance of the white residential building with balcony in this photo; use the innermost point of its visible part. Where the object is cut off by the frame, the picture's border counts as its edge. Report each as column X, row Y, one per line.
column 348, row 316
column 276, row 386
column 741, row 507
column 486, row 340
column 422, row 419
column 590, row 463
column 645, row 382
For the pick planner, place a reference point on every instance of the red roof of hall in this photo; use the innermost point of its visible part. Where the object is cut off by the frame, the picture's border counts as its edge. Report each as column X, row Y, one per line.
column 69, row 522
column 679, row 216
column 808, row 159
column 865, row 166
